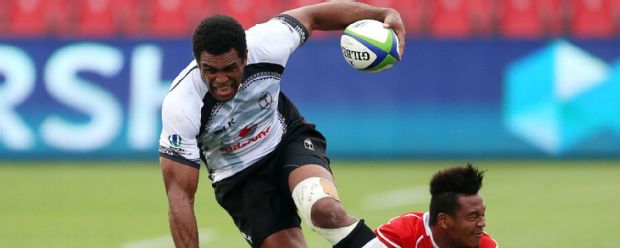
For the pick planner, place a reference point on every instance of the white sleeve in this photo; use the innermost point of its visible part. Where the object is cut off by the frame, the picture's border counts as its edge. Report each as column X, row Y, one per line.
column 275, row 40
column 180, row 127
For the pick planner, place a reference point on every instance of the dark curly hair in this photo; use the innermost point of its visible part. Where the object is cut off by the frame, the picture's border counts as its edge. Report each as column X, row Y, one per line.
column 217, row 35
column 447, row 185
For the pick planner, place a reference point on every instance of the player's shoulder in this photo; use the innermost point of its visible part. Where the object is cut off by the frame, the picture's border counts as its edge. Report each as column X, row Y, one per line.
column 410, row 221
column 487, row 242
column 402, row 231
column 186, row 91
column 409, row 218
column 413, row 215
column 187, row 83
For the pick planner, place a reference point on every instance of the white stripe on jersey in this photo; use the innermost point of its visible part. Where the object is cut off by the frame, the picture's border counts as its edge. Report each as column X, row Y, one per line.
column 427, row 228
column 386, row 239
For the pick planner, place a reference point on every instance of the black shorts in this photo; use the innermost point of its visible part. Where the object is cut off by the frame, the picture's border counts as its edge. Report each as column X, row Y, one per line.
column 258, row 198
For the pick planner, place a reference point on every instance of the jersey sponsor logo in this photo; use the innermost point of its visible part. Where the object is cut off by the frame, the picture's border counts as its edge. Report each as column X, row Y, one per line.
column 265, row 100
column 239, row 145
column 247, row 130
column 175, row 140
column 227, row 126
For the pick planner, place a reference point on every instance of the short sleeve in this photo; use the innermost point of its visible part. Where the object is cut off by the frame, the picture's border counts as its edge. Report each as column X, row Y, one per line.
column 177, row 141
column 399, row 231
column 275, row 40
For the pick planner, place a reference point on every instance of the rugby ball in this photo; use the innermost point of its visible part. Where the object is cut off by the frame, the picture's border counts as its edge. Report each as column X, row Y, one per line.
column 368, row 46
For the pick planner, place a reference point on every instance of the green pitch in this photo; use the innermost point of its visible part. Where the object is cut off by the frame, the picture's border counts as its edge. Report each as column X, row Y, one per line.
column 111, row 204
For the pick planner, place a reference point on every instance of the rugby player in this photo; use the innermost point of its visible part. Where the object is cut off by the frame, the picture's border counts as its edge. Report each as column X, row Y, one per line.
column 455, row 218
column 266, row 162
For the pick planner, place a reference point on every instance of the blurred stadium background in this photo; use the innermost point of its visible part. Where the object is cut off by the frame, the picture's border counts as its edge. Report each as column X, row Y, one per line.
column 526, row 89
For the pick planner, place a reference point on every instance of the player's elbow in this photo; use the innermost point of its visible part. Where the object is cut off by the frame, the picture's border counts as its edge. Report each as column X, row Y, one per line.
column 179, row 197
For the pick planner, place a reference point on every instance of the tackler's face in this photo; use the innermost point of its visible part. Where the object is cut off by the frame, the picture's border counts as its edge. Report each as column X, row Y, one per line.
column 467, row 225
column 222, row 73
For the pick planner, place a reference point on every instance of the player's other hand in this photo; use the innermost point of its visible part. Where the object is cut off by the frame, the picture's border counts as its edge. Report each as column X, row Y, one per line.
column 392, row 20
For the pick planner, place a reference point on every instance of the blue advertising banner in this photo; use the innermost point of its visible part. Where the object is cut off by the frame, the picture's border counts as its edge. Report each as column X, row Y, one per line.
column 447, row 98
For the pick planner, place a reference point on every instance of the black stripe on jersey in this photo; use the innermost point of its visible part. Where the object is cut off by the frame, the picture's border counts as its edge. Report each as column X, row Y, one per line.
column 253, row 69
column 260, row 70
column 288, row 111
column 296, row 25
column 208, row 107
column 179, row 82
column 174, row 156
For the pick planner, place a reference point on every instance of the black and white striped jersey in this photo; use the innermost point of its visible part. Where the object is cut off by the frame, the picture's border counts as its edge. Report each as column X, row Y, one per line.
column 231, row 136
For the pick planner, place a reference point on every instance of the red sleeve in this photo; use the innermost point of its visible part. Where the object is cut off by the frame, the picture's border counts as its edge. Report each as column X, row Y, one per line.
column 400, row 231
column 487, row 242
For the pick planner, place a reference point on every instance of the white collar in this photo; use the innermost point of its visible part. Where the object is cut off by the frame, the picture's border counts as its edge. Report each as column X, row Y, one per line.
column 428, row 230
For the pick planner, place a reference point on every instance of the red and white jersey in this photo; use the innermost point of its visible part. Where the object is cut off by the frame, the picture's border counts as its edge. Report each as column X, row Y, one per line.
column 412, row 230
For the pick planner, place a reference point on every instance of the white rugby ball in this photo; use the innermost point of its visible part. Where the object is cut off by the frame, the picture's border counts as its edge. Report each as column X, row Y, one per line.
column 368, row 46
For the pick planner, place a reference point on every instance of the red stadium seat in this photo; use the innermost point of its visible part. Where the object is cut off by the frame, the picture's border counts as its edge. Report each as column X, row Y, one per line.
column 38, row 17
column 553, row 14
column 27, row 17
column 483, row 16
column 615, row 7
column 61, row 16
column 250, row 12
column 592, row 18
column 531, row 18
column 132, row 17
column 4, row 14
column 175, row 17
column 97, row 17
column 520, row 18
column 450, row 18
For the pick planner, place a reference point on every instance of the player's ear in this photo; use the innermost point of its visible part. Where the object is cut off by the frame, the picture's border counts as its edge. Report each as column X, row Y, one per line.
column 244, row 58
column 443, row 220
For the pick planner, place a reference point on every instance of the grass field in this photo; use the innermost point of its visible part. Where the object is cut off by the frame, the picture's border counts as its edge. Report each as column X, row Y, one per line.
column 122, row 204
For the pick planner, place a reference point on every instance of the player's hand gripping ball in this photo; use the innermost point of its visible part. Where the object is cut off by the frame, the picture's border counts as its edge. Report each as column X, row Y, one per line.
column 368, row 46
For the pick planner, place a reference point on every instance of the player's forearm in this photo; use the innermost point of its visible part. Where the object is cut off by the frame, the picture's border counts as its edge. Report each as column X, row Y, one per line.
column 183, row 224
column 337, row 15
column 181, row 182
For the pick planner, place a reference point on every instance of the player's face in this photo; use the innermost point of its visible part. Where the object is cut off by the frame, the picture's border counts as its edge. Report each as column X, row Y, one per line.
column 222, row 73
column 468, row 222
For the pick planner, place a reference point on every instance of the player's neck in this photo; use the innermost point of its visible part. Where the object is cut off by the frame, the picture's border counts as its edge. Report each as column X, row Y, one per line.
column 441, row 239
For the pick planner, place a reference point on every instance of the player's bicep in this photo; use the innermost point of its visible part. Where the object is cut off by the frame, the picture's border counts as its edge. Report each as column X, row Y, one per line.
column 275, row 40
column 180, row 180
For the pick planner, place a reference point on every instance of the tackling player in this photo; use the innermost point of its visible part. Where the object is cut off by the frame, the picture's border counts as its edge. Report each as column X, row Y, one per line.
column 455, row 218
column 266, row 162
